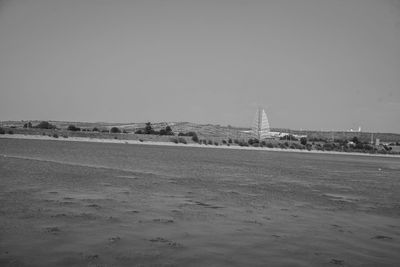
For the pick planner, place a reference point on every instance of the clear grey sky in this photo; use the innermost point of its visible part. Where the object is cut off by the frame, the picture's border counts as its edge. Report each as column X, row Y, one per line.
column 312, row 64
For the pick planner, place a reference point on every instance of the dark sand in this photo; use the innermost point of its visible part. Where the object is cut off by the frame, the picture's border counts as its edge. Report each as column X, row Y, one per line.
column 69, row 204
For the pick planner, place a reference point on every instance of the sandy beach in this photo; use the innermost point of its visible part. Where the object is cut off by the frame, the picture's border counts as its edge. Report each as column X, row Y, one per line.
column 105, row 204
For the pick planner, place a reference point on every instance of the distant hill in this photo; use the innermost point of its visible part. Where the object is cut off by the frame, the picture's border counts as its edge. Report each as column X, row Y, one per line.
column 215, row 131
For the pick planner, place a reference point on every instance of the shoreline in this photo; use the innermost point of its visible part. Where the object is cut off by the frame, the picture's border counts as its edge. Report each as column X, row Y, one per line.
column 154, row 143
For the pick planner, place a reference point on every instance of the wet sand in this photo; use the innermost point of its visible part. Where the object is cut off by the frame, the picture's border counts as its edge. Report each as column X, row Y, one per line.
column 220, row 208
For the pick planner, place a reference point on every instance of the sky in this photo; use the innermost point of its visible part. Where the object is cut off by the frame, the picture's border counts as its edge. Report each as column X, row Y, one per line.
column 312, row 64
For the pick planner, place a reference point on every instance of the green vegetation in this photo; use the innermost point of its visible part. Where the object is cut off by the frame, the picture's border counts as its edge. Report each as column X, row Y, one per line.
column 182, row 140
column 303, row 141
column 289, row 137
column 178, row 140
column 212, row 135
column 45, row 125
column 148, row 129
column 28, row 125
column 73, row 128
column 115, row 130
column 253, row 142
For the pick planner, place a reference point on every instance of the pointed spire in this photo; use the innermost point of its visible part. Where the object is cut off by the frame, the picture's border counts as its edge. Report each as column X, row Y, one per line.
column 261, row 127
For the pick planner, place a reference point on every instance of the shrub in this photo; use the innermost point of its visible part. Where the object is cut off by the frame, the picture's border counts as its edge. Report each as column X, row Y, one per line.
column 229, row 141
column 368, row 147
column 216, row 143
column 387, row 148
column 303, row 141
column 45, row 125
column 10, row 132
column 288, row 137
column 2, row 131
column 55, row 135
column 224, row 142
column 328, row 146
column 95, row 129
column 195, row 138
column 243, row 143
column 236, row 141
column 319, row 147
column 209, row 142
column 296, row 146
column 73, row 128
column 139, row 131
column 65, row 136
column 28, row 125
column 359, row 146
column 269, row 145
column 141, row 140
column 281, row 145
column 169, row 130
column 286, row 144
column 115, row 130
column 166, row 131
column 182, row 140
column 174, row 140
column 263, row 143
column 253, row 141
column 148, row 129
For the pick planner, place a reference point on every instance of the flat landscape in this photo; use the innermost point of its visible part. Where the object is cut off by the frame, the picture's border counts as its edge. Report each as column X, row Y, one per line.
column 94, row 204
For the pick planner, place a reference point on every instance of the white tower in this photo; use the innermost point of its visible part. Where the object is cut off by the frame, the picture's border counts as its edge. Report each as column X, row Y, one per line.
column 261, row 127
